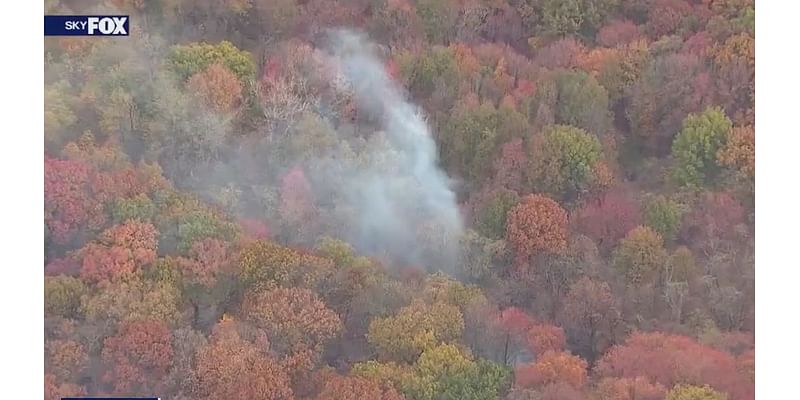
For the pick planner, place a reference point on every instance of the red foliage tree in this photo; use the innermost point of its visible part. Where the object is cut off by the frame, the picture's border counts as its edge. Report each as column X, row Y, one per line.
column 119, row 251
column 138, row 357
column 511, row 164
column 714, row 217
column 69, row 207
column 207, row 259
column 607, row 219
column 670, row 359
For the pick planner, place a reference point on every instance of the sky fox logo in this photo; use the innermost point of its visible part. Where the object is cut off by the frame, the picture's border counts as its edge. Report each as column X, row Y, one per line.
column 86, row 25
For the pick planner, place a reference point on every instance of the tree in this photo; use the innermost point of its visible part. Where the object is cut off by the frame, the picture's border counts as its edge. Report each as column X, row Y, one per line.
column 640, row 256
column 66, row 359
column 691, row 392
column 590, row 317
column 188, row 60
column 218, row 88
column 268, row 264
column 638, row 388
column 696, row 146
column 607, row 219
column 536, row 224
column 663, row 215
column 356, row 388
column 414, row 329
column 582, row 102
column 552, row 367
column 119, row 252
column 230, row 367
column 138, row 357
column 564, row 160
column 133, row 299
column 69, row 207
column 669, row 88
column 55, row 390
column 493, row 213
column 670, row 360
column 297, row 322
column 62, row 295
column 739, row 153
column 544, row 337
column 618, row 32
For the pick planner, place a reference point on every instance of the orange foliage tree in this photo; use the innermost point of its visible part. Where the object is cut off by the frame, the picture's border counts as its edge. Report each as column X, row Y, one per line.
column 552, row 367
column 536, row 224
column 230, row 367
column 138, row 357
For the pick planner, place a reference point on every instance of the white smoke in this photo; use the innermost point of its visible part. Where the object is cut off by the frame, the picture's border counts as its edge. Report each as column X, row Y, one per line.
column 402, row 201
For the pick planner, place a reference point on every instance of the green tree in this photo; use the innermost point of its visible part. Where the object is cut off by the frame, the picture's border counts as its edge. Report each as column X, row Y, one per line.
column 663, row 215
column 190, row 59
column 564, row 160
column 694, row 150
column 582, row 102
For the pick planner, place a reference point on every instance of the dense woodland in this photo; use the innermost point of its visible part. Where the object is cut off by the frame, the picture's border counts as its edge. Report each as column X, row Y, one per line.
column 601, row 153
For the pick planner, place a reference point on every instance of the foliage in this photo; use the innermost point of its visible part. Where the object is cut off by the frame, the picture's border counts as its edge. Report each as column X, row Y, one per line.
column 414, row 329
column 696, row 146
column 188, row 60
column 663, row 215
column 536, row 224
column 640, row 256
column 564, row 161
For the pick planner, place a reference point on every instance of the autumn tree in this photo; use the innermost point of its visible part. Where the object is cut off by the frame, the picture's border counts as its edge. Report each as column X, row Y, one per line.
column 590, row 317
column 133, row 299
column 231, row 367
column 607, row 219
column 414, row 329
column 640, row 256
column 564, row 161
column 544, row 337
column 69, row 207
column 669, row 88
column 696, row 146
column 218, row 88
column 66, row 359
column 552, row 367
column 691, row 392
column 138, row 357
column 62, row 295
column 268, row 264
column 638, row 388
column 355, row 388
column 670, row 359
column 119, row 252
column 296, row 321
column 536, row 224
column 739, row 154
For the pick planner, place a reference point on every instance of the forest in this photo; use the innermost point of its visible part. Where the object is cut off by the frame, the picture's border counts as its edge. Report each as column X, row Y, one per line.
column 402, row 199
